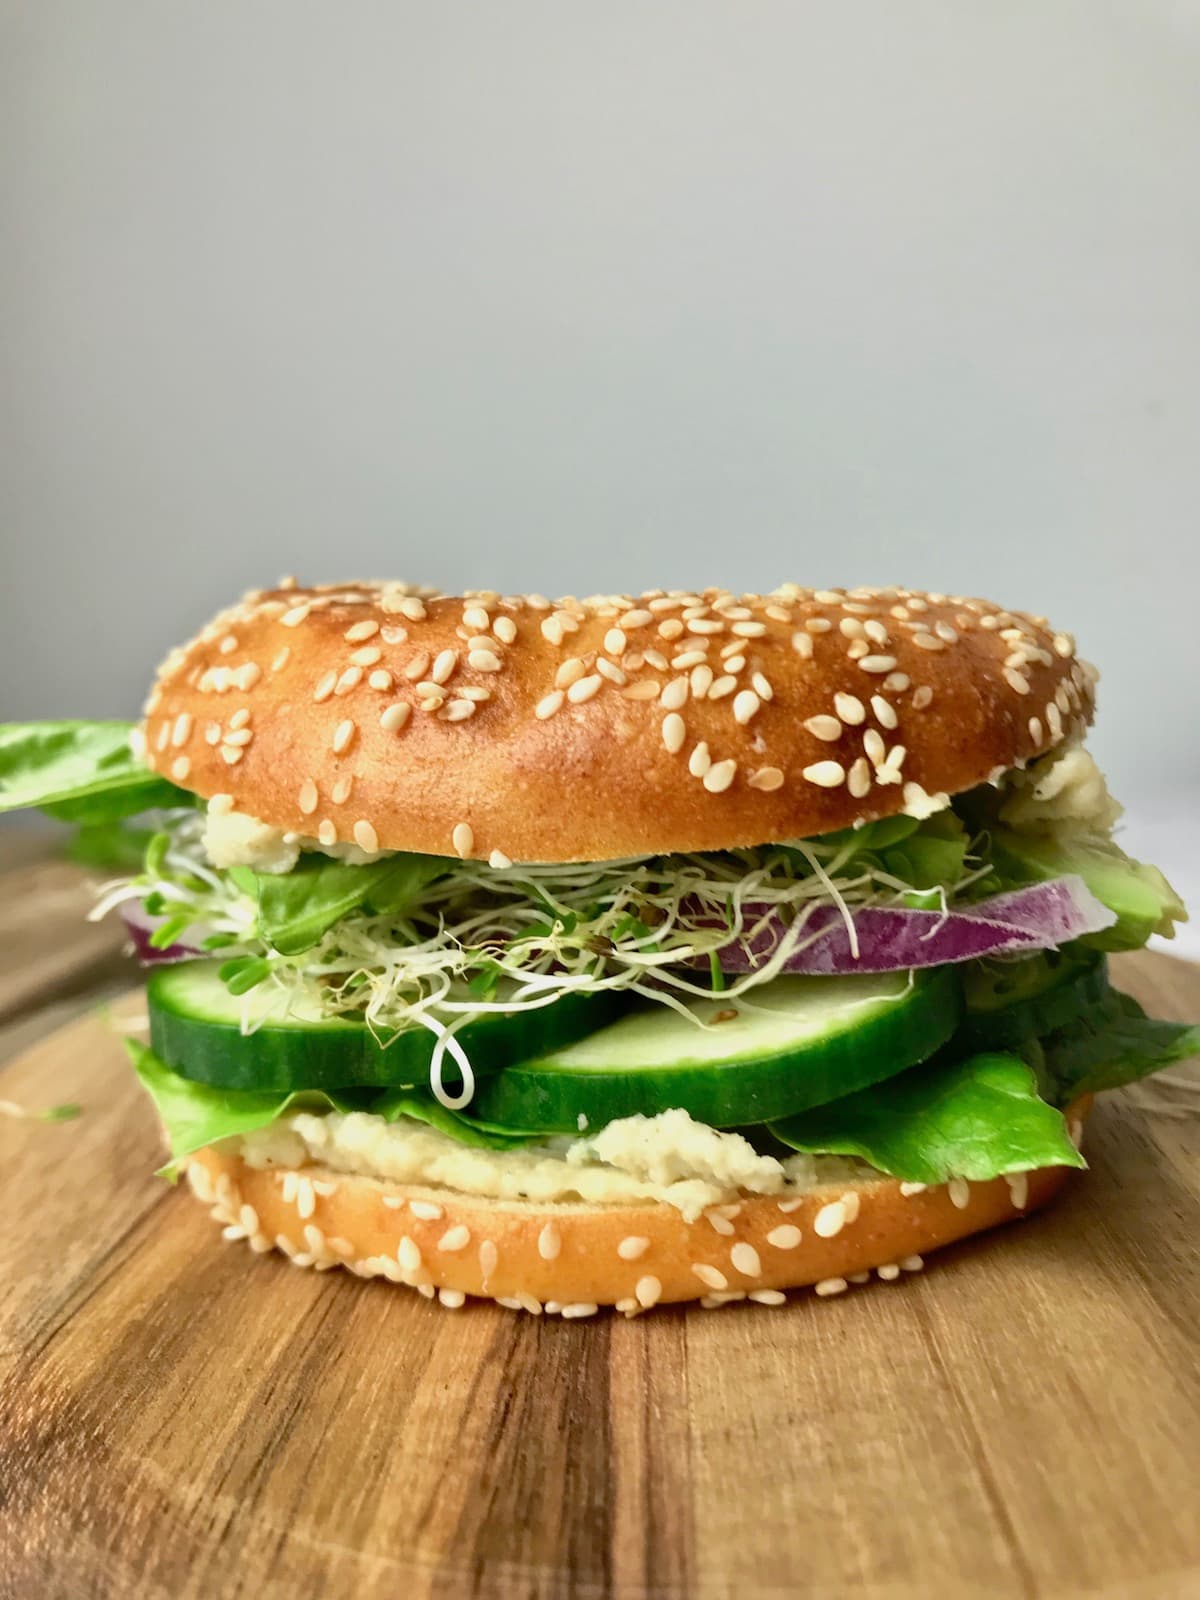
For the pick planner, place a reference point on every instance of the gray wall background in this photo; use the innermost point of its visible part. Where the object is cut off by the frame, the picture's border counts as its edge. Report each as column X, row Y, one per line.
column 577, row 296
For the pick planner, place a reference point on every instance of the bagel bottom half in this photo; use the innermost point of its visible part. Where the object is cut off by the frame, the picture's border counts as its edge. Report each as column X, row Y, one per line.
column 574, row 1258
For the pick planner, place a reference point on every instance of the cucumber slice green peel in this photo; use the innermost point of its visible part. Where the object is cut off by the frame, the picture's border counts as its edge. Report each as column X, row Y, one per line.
column 196, row 1030
column 803, row 1041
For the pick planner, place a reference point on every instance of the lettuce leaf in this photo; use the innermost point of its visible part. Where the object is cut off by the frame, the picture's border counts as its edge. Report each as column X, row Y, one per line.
column 1115, row 1042
column 197, row 1114
column 975, row 1119
column 297, row 908
column 79, row 771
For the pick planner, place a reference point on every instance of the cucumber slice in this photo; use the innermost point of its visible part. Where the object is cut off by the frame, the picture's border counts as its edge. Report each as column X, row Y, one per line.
column 196, row 1030
column 806, row 1041
column 1026, row 999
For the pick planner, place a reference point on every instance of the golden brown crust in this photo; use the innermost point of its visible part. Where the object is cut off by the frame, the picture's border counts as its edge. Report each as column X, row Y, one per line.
column 580, row 1257
column 587, row 730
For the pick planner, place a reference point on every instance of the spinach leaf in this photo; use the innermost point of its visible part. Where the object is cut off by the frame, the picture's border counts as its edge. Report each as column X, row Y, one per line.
column 79, row 771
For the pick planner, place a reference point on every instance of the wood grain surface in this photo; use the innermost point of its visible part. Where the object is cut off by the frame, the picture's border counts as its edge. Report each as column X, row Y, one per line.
column 179, row 1418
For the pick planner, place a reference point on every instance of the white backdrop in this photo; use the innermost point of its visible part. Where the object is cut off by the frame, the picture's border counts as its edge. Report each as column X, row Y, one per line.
column 579, row 296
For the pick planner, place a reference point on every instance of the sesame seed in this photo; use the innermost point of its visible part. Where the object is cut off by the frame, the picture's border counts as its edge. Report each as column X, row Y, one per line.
column 647, row 689
column 498, row 861
column 670, row 629
column 365, row 836
column 458, row 711
column 231, row 754
column 350, row 679
column 308, row 797
column 912, row 1263
column 689, row 659
column 699, row 761
column 850, row 709
column 896, row 682
column 701, row 681
column 418, row 666
column 818, row 625
column 182, row 731
column 705, row 625
column 768, row 1297
column 825, row 774
column 455, row 1238
column 762, row 686
column 960, row 1193
column 719, row 1224
column 584, row 689
column 877, row 663
column 340, row 792
column 922, row 697
column 826, row 728
column 247, row 676
column 1054, row 720
column 393, row 717
column 180, row 768
column 1018, row 1188
column 1016, row 681
column 343, row 734
column 489, row 1256
column 720, row 776
column 484, row 661
column 889, row 1272
column 548, row 705
column 239, row 719
column 830, row 1219
column 946, row 632
column 788, row 1206
column 367, row 656
column 1035, row 729
column 360, row 631
column 381, row 680
column 228, row 644
column 908, row 1189
column 549, row 1243
column 673, row 732
column 505, row 629
column 615, row 641
column 885, row 711
column 675, row 694
column 851, row 628
column 712, row 1277
column 803, row 646
column 409, row 606
column 325, row 687
column 1064, row 645
column 426, row 1210
column 220, row 805
column 785, row 1237
column 874, row 746
column 745, row 705
column 392, row 633
column 745, row 1260
column 610, row 670
column 766, row 779
column 476, row 617
column 444, row 664
column 633, row 1247
column 294, row 617
column 238, row 736
column 452, row 1299
column 831, row 1286
column 648, row 1291
column 927, row 641
column 463, row 839
column 408, row 1254
column 212, row 734
column 656, row 659
column 637, row 619
column 326, row 832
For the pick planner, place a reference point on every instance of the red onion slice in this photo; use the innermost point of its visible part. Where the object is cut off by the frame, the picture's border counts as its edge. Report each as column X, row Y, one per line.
column 1040, row 916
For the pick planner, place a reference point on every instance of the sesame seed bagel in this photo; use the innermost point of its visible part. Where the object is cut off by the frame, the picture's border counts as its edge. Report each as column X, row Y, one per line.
column 575, row 1258
column 513, row 728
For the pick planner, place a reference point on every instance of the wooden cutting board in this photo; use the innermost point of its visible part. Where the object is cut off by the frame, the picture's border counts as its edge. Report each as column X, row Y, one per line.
column 179, row 1418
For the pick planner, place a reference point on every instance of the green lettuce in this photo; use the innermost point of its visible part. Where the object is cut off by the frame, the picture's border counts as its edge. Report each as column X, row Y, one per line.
column 1115, row 1042
column 198, row 1114
column 81, row 772
column 976, row 1119
column 297, row 908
